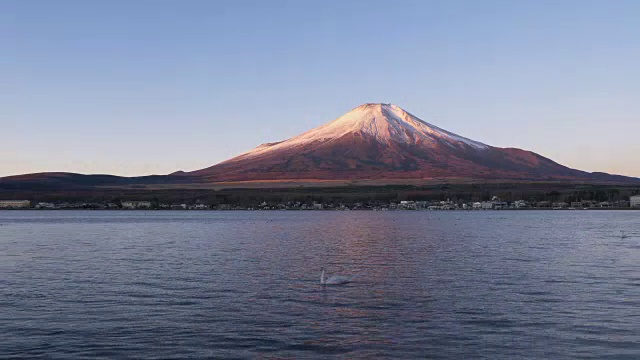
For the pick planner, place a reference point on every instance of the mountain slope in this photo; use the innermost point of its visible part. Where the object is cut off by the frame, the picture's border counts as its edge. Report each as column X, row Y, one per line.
column 382, row 141
column 62, row 180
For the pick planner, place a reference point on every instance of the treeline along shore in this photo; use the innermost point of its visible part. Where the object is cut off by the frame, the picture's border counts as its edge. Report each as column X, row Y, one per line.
column 443, row 196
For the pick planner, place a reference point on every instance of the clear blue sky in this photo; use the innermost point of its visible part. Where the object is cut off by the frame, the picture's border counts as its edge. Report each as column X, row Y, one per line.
column 141, row 87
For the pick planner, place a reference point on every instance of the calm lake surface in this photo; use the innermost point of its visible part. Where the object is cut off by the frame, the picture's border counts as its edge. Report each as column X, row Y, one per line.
column 165, row 284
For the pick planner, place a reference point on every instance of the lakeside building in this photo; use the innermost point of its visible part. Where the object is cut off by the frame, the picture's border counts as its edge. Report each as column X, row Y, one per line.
column 487, row 205
column 136, row 204
column 520, row 204
column 15, row 204
column 559, row 205
column 499, row 205
column 45, row 205
column 408, row 205
column 634, row 201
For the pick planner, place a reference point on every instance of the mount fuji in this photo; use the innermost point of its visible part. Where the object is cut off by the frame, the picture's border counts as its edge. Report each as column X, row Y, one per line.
column 372, row 144
column 383, row 141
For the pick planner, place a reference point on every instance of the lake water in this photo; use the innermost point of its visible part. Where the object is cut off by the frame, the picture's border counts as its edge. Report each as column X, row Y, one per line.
column 165, row 284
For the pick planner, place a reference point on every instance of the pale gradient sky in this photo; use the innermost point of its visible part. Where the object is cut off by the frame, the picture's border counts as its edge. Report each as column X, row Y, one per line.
column 141, row 87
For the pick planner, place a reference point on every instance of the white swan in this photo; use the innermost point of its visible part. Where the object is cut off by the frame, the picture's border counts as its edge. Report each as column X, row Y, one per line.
column 333, row 280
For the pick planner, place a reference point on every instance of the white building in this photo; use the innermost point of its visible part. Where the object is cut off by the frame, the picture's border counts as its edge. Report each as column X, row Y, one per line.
column 15, row 204
column 498, row 205
column 408, row 205
column 487, row 205
column 635, row 201
column 136, row 204
column 45, row 205
column 519, row 204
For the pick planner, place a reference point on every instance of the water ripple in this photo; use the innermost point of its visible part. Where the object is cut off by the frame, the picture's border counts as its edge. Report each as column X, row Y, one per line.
column 498, row 285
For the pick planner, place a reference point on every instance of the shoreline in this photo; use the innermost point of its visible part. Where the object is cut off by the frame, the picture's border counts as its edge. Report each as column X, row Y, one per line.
column 312, row 210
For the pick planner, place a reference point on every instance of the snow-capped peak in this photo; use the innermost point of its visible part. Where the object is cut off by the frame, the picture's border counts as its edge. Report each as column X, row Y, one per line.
column 386, row 123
